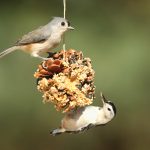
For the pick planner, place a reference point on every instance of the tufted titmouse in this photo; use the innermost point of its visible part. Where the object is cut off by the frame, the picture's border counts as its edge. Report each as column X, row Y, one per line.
column 83, row 118
column 42, row 39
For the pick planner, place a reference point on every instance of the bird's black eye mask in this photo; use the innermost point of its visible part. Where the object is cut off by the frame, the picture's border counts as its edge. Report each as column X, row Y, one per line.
column 113, row 106
column 68, row 23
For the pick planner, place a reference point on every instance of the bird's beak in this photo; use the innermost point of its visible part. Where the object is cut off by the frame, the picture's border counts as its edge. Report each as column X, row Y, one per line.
column 70, row 28
column 104, row 100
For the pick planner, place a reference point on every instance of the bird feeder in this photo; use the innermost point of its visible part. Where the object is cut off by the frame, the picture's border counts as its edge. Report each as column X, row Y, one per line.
column 66, row 80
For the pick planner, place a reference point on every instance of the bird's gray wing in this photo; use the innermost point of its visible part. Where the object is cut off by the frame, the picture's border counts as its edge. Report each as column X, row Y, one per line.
column 36, row 36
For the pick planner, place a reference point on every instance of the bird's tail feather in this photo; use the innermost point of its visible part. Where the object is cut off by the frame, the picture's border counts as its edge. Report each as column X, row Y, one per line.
column 57, row 131
column 7, row 51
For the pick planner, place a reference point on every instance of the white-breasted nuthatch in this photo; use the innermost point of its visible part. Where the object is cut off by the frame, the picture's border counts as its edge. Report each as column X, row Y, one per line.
column 43, row 39
column 83, row 118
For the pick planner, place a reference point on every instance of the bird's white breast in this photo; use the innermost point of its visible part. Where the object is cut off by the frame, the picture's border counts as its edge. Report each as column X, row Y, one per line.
column 49, row 44
column 81, row 118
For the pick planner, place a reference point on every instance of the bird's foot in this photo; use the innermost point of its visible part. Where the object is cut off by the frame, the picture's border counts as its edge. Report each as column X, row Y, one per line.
column 51, row 54
column 87, row 127
column 82, row 129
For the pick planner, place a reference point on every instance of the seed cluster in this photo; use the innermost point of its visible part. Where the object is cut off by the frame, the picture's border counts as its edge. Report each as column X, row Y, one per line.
column 66, row 79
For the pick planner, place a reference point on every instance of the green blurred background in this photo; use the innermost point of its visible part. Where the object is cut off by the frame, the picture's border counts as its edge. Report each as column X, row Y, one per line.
column 116, row 36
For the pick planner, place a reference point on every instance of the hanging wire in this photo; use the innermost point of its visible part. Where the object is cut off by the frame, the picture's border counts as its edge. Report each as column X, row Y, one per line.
column 64, row 4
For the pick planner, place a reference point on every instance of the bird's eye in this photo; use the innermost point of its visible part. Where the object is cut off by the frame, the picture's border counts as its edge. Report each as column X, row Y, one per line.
column 108, row 109
column 62, row 23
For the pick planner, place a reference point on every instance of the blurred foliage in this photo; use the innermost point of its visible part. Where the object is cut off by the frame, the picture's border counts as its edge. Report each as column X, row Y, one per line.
column 115, row 35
